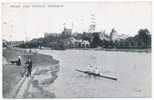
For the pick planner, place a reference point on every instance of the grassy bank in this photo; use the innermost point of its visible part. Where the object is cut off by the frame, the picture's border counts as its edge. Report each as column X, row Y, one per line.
column 12, row 73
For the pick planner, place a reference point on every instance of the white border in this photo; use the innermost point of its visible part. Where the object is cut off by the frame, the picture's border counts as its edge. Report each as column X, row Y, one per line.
column 74, row 1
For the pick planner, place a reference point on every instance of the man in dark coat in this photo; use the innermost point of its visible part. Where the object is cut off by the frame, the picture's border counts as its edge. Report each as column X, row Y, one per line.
column 19, row 61
column 29, row 66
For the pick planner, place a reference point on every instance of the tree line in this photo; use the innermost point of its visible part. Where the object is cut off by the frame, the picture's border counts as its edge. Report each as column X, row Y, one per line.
column 142, row 40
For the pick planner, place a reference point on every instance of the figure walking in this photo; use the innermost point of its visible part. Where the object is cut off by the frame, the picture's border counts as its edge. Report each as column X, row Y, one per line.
column 29, row 67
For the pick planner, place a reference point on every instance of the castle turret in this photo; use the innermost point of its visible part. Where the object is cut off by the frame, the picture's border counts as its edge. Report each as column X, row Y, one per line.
column 92, row 25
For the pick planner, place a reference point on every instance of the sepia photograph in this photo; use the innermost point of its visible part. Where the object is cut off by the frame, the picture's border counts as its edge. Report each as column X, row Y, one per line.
column 99, row 49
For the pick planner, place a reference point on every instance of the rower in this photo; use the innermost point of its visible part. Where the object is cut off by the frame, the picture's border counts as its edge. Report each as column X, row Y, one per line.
column 96, row 71
column 91, row 69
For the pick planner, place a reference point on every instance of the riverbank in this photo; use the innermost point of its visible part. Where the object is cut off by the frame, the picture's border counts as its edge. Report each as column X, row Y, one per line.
column 113, row 49
column 130, row 50
column 108, row 49
column 43, row 65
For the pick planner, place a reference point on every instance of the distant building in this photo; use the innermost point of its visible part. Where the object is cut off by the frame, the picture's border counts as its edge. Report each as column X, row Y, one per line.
column 67, row 32
column 115, row 36
column 50, row 34
column 85, row 44
column 76, row 43
column 46, row 35
column 104, row 36
column 123, row 36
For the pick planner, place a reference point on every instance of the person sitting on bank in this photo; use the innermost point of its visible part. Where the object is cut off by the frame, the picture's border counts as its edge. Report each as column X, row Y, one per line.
column 29, row 66
column 17, row 62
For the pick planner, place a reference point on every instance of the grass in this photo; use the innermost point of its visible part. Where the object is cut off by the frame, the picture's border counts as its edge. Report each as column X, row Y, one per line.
column 12, row 73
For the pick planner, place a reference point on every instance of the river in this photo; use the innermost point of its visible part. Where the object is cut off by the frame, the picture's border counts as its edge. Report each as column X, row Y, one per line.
column 133, row 70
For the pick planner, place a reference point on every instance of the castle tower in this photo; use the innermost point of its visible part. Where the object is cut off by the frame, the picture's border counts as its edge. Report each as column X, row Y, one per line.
column 67, row 31
column 92, row 25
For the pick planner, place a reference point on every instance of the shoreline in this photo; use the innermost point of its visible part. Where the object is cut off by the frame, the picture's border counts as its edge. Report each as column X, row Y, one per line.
column 103, row 49
column 116, row 50
column 129, row 50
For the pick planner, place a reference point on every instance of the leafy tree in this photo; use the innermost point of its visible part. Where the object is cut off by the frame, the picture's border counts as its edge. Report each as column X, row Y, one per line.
column 143, row 38
column 96, row 40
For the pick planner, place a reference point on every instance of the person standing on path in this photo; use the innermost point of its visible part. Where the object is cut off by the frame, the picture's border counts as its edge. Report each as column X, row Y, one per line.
column 18, row 61
column 29, row 66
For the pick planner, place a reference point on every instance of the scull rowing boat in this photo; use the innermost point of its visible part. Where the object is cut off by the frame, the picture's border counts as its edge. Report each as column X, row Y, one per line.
column 97, row 75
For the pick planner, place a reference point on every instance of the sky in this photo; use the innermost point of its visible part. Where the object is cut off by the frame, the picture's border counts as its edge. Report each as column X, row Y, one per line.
column 24, row 21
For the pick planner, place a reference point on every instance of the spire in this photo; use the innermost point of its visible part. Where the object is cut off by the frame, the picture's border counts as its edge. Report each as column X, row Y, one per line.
column 92, row 25
column 64, row 25
column 72, row 25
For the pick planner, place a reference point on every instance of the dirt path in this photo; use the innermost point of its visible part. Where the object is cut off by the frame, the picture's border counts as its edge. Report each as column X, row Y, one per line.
column 22, row 86
column 33, row 87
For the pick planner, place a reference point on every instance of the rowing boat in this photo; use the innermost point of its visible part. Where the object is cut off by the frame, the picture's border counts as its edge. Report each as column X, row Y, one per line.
column 97, row 75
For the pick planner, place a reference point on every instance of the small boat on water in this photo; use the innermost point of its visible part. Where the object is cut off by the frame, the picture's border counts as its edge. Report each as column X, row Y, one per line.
column 97, row 74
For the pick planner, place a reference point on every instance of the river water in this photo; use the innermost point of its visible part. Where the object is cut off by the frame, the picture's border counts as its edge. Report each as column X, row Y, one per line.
column 133, row 70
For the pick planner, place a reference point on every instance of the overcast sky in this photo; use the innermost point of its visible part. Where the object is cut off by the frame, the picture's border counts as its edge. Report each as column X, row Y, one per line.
column 31, row 21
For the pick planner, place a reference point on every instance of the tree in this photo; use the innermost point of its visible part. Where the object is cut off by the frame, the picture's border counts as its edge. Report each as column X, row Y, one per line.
column 143, row 38
column 96, row 40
